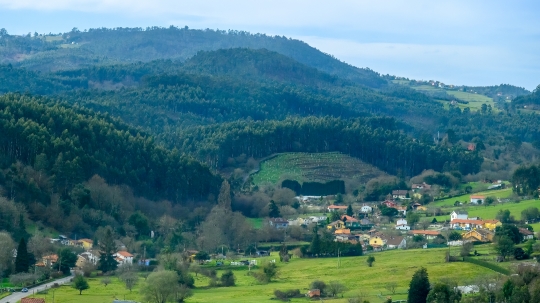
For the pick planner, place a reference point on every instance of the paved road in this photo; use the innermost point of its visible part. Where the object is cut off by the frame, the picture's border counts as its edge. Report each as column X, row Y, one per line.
column 16, row 296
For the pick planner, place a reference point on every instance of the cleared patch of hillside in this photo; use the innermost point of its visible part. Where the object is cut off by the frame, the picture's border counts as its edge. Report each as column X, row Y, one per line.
column 475, row 100
column 315, row 167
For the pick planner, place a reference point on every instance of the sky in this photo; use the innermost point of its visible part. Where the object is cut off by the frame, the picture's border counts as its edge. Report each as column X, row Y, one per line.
column 458, row 42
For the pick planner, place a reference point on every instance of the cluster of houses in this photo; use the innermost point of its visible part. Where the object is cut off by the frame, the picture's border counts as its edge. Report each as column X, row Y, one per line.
column 90, row 255
column 479, row 230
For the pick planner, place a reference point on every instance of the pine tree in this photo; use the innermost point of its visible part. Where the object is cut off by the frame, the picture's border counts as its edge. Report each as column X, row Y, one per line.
column 107, row 247
column 349, row 211
column 21, row 261
column 274, row 210
column 224, row 198
column 21, row 232
column 419, row 287
column 315, row 246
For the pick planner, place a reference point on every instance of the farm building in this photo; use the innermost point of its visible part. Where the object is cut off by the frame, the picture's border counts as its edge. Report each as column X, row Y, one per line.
column 475, row 199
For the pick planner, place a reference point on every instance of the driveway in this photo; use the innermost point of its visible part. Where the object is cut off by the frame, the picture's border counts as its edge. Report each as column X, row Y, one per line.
column 16, row 296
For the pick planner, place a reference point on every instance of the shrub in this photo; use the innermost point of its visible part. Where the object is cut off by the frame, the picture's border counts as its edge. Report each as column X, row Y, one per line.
column 287, row 294
column 228, row 279
column 320, row 285
column 57, row 274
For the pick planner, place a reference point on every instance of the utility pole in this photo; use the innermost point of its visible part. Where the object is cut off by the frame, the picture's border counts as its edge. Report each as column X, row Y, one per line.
column 338, row 261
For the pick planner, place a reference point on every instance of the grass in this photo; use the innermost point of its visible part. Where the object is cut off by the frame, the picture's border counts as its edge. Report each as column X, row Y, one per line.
column 502, row 193
column 97, row 293
column 489, row 212
column 314, row 167
column 390, row 266
column 256, row 222
column 535, row 226
column 475, row 100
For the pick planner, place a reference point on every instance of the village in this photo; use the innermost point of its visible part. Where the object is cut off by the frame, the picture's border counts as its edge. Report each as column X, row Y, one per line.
column 368, row 224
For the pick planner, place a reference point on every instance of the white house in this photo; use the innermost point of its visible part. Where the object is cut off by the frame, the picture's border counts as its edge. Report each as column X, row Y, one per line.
column 401, row 222
column 526, row 234
column 90, row 256
column 366, row 209
column 459, row 214
column 278, row 223
column 123, row 257
column 315, row 219
column 403, row 227
column 477, row 199
column 399, row 194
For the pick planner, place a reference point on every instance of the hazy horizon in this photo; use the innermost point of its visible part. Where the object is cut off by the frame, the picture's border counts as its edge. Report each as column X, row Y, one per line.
column 461, row 43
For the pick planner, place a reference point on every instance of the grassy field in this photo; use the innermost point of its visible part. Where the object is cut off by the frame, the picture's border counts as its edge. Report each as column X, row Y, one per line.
column 390, row 266
column 314, row 167
column 475, row 100
column 502, row 193
column 98, row 293
column 256, row 222
column 489, row 212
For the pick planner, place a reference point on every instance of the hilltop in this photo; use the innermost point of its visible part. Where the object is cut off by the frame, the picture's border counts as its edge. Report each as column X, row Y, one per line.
column 108, row 46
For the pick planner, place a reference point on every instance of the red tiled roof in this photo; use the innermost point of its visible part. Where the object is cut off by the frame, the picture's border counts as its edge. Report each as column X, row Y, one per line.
column 478, row 197
column 337, row 207
column 349, row 218
column 124, row 254
column 52, row 258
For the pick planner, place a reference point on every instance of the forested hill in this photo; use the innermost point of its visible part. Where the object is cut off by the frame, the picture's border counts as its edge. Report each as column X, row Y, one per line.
column 71, row 144
column 378, row 141
column 108, row 46
column 259, row 64
column 532, row 100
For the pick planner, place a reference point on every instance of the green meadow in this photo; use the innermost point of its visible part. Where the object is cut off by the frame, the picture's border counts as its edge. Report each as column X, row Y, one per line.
column 475, row 100
column 502, row 193
column 489, row 212
column 390, row 266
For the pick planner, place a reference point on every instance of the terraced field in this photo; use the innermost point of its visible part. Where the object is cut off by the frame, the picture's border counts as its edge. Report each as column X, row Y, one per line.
column 314, row 167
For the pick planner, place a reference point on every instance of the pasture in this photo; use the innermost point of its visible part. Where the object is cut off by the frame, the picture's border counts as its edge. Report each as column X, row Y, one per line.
column 489, row 212
column 475, row 100
column 98, row 293
column 390, row 266
column 502, row 193
column 320, row 167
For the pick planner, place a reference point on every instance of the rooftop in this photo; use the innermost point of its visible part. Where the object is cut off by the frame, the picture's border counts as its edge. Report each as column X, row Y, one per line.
column 124, row 254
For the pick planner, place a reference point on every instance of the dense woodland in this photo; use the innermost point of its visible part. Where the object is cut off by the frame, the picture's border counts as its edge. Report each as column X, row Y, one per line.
column 132, row 127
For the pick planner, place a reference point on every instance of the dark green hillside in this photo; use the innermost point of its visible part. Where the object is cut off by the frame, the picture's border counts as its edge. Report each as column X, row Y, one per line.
column 260, row 64
column 377, row 141
column 532, row 99
column 109, row 46
column 22, row 80
column 73, row 144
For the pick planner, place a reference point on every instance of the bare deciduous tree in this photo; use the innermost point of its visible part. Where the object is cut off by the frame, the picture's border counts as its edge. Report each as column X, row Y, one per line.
column 391, row 287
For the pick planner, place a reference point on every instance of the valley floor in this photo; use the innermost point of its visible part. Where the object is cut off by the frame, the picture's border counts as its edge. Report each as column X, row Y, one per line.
column 390, row 266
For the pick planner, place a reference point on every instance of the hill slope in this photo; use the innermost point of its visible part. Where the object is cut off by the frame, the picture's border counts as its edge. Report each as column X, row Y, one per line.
column 73, row 144
column 96, row 46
